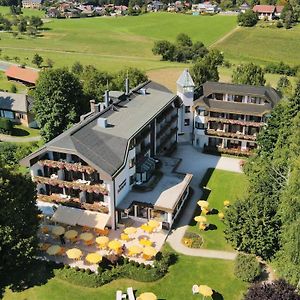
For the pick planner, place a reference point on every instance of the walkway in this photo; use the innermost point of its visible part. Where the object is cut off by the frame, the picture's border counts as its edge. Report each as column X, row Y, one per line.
column 15, row 139
column 197, row 164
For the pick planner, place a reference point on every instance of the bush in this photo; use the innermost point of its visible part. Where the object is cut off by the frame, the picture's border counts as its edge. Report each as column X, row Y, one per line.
column 6, row 126
column 247, row 19
column 247, row 267
column 281, row 68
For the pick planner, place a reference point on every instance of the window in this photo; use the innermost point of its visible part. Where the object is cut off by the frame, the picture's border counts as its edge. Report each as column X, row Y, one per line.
column 187, row 109
column 201, row 112
column 131, row 163
column 186, row 122
column 122, row 185
column 132, row 179
column 199, row 125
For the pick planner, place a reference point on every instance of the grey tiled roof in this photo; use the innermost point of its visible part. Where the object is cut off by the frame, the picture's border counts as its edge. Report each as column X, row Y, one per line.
column 185, row 79
column 105, row 148
column 15, row 102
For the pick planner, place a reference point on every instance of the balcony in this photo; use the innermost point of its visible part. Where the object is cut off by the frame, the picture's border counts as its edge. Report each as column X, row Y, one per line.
column 232, row 151
column 236, row 122
column 166, row 126
column 76, row 185
column 233, row 135
column 73, row 202
column 76, row 167
column 167, row 138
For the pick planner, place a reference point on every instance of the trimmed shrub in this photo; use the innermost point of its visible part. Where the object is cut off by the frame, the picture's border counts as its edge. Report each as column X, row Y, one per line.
column 247, row 267
column 6, row 126
column 192, row 240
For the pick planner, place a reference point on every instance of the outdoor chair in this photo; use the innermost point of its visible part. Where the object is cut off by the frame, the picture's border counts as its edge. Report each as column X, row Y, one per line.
column 195, row 289
column 130, row 293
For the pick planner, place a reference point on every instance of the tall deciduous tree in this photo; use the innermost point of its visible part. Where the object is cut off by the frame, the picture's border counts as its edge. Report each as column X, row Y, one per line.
column 59, row 101
column 249, row 74
column 18, row 221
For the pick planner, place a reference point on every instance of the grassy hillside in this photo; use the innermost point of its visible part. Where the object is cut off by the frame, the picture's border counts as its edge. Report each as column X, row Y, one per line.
column 110, row 43
column 26, row 12
column 262, row 45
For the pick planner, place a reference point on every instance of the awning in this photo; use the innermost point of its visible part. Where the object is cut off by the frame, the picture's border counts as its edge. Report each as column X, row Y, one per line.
column 74, row 216
column 168, row 199
column 93, row 219
column 46, row 208
column 67, row 215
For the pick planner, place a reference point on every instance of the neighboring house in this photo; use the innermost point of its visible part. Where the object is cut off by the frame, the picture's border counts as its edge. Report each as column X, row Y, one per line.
column 17, row 107
column 86, row 10
column 95, row 164
column 32, row 4
column 24, row 75
column 244, row 7
column 205, row 7
column 120, row 10
column 155, row 6
column 268, row 11
column 228, row 117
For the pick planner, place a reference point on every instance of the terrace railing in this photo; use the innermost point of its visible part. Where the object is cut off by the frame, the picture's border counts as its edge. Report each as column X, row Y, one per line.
column 236, row 122
column 77, row 167
column 239, row 136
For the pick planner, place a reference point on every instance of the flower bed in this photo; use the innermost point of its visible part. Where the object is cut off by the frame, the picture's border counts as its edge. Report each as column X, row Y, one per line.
column 192, row 240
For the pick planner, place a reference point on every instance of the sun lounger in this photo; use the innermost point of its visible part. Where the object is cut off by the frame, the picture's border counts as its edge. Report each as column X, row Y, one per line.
column 119, row 295
column 130, row 293
column 195, row 289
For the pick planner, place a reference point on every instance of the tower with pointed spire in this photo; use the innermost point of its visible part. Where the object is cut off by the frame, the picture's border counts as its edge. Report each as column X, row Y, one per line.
column 185, row 90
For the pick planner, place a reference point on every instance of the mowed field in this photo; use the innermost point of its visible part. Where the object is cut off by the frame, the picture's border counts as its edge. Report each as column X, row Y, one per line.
column 111, row 43
column 262, row 45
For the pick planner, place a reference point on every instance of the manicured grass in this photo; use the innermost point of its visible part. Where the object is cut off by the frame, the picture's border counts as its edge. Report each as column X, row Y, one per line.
column 6, row 85
column 262, row 45
column 176, row 285
column 112, row 43
column 23, row 131
column 224, row 185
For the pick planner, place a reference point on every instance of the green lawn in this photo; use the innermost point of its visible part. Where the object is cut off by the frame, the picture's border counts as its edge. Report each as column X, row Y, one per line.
column 176, row 285
column 224, row 185
column 23, row 131
column 112, row 43
column 262, row 45
column 4, row 10
column 6, row 85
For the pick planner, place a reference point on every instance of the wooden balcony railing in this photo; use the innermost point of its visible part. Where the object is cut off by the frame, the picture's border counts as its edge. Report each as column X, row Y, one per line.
column 231, row 151
column 94, row 188
column 236, row 122
column 233, row 135
column 77, row 167
column 73, row 202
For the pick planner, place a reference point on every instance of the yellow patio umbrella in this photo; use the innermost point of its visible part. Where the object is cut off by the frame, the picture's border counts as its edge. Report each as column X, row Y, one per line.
column 202, row 226
column 226, row 203
column 53, row 250
column 203, row 203
column 71, row 234
column 147, row 228
column 135, row 250
column 74, row 253
column 153, row 223
column 130, row 230
column 147, row 296
column 114, row 245
column 86, row 236
column 204, row 211
column 221, row 215
column 145, row 242
column 149, row 251
column 200, row 219
column 58, row 230
column 102, row 240
column 93, row 258
column 205, row 290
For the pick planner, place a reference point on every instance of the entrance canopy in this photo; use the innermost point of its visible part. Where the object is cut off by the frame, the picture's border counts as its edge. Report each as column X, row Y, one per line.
column 73, row 216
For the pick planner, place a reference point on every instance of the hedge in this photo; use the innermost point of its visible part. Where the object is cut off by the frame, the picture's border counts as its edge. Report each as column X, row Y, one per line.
column 122, row 269
column 6, row 126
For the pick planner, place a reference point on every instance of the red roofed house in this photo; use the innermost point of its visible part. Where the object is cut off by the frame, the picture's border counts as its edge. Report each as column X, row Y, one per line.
column 267, row 11
column 26, row 76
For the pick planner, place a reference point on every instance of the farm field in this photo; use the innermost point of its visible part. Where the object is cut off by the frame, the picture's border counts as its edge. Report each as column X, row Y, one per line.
column 224, row 185
column 262, row 45
column 176, row 285
column 112, row 43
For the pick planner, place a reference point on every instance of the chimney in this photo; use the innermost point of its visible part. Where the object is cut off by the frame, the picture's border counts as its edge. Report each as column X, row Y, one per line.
column 102, row 122
column 106, row 98
column 127, row 86
column 92, row 106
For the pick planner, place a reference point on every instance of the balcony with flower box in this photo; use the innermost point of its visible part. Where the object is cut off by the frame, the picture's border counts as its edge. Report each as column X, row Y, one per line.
column 231, row 151
column 79, row 184
column 73, row 202
column 235, row 122
column 233, row 135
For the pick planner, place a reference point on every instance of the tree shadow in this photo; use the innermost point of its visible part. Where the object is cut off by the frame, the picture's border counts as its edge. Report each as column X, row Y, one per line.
column 211, row 227
column 20, row 132
column 217, row 296
column 36, row 274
